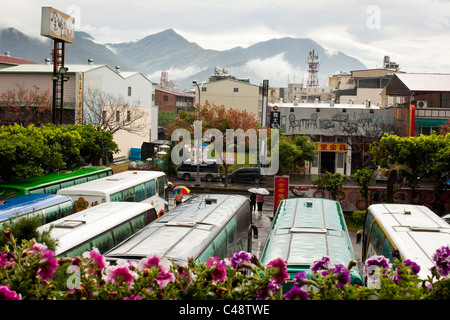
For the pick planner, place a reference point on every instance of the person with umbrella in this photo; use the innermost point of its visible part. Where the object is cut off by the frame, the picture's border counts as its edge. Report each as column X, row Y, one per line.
column 179, row 191
column 253, row 203
column 260, row 202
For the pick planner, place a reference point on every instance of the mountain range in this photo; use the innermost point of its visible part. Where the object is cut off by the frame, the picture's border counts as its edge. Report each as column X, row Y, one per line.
column 278, row 60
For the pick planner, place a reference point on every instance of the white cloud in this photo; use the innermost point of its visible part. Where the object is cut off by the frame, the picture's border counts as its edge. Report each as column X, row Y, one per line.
column 175, row 73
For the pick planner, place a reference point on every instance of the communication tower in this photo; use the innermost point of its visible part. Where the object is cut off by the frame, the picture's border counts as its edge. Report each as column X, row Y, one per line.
column 313, row 69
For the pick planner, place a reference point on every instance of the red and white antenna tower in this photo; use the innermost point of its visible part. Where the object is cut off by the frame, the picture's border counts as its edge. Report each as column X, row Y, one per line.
column 313, row 69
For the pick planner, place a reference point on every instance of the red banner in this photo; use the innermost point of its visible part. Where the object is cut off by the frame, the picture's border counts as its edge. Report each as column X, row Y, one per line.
column 281, row 190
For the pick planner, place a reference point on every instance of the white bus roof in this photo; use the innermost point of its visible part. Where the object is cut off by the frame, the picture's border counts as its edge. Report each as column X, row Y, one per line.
column 112, row 184
column 415, row 230
column 82, row 226
column 184, row 232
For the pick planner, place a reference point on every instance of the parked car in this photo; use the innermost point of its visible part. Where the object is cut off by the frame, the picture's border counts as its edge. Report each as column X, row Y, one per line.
column 246, row 174
column 208, row 171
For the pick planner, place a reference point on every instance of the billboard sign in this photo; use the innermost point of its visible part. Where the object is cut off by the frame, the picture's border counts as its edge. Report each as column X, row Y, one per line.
column 57, row 25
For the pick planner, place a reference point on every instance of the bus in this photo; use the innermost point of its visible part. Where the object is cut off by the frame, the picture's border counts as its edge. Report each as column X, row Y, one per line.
column 203, row 226
column 101, row 227
column 48, row 207
column 414, row 230
column 52, row 182
column 305, row 230
column 128, row 186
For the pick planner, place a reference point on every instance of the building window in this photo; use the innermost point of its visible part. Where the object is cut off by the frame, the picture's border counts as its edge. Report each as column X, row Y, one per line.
column 128, row 115
column 104, row 117
column 129, row 91
column 117, row 116
column 166, row 98
column 236, row 90
column 445, row 100
column 203, row 89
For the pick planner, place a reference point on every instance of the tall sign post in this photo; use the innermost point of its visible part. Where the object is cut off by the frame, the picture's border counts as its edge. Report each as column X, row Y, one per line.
column 60, row 27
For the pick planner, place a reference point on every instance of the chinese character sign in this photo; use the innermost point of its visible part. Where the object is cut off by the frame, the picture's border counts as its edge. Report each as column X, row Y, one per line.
column 281, row 190
column 336, row 147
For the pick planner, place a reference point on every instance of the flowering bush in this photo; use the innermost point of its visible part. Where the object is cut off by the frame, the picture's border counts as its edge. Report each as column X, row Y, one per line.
column 31, row 271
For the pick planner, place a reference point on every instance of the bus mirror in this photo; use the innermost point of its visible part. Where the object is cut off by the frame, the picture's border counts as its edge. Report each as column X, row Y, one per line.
column 358, row 236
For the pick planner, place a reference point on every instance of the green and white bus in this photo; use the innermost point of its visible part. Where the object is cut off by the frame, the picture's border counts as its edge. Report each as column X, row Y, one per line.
column 52, row 182
column 414, row 230
column 305, row 230
column 101, row 227
column 128, row 186
column 204, row 226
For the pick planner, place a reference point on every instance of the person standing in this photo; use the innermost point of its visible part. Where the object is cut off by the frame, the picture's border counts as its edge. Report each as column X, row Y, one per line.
column 178, row 198
column 260, row 202
column 253, row 203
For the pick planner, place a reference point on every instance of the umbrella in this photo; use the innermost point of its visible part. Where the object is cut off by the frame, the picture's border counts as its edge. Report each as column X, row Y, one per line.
column 259, row 190
column 183, row 189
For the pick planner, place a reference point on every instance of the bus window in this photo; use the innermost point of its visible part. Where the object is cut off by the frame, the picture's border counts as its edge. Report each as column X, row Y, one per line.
column 93, row 177
column 66, row 208
column 67, row 184
column 128, row 195
column 231, row 233
column 40, row 190
column 52, row 189
column 150, row 188
column 79, row 250
column 80, row 180
column 103, row 242
column 140, row 192
column 122, row 232
column 207, row 253
column 220, row 244
column 161, row 186
column 151, row 215
column 51, row 214
column 138, row 223
column 380, row 242
column 116, row 196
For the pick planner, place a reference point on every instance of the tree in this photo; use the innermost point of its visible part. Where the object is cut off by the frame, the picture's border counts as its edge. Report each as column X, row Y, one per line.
column 417, row 157
column 165, row 118
column 295, row 152
column 362, row 178
column 26, row 106
column 113, row 113
column 219, row 119
column 331, row 183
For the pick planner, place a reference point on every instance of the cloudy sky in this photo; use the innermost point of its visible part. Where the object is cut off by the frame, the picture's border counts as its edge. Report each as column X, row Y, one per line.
column 414, row 33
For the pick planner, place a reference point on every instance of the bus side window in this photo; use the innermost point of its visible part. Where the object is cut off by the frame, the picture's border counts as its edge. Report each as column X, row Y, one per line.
column 122, row 232
column 150, row 188
column 128, row 195
column 115, row 197
column 151, row 215
column 161, row 185
column 232, row 234
column 52, row 189
column 207, row 253
column 103, row 242
column 67, row 184
column 139, row 190
column 220, row 244
column 138, row 222
column 66, row 208
column 78, row 250
column 80, row 180
column 51, row 214
column 40, row 190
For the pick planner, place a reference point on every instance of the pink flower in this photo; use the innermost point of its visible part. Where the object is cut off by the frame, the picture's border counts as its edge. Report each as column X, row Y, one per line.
column 97, row 259
column 47, row 265
column 281, row 274
column 164, row 277
column 154, row 261
column 7, row 294
column 120, row 275
column 218, row 269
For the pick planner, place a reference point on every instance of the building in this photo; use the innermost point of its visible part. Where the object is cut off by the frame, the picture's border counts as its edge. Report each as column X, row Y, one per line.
column 167, row 100
column 364, row 85
column 232, row 93
column 7, row 61
column 421, row 100
column 132, row 89
column 343, row 131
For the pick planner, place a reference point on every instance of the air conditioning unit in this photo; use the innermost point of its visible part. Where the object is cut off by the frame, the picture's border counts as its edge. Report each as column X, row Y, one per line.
column 421, row 104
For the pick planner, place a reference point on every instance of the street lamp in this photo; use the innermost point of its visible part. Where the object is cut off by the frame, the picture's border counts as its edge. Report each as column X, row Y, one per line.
column 197, row 178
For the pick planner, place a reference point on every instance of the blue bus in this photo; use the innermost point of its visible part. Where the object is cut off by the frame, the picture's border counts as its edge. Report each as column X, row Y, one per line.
column 305, row 230
column 49, row 207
